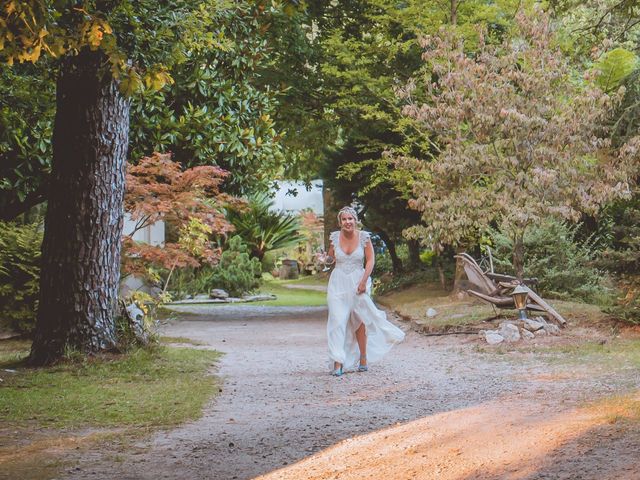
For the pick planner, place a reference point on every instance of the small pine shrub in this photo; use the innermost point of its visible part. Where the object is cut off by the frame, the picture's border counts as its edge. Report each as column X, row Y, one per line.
column 19, row 274
column 237, row 272
column 563, row 265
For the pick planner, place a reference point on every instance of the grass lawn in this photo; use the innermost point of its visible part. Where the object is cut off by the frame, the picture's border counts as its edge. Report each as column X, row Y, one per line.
column 154, row 387
column 292, row 297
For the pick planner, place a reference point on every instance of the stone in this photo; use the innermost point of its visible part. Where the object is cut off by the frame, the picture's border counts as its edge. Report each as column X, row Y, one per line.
column 259, row 298
column 541, row 333
column 533, row 325
column 541, row 320
column 509, row 332
column 526, row 334
column 552, row 329
column 493, row 338
column 289, row 270
column 218, row 293
column 136, row 320
column 431, row 312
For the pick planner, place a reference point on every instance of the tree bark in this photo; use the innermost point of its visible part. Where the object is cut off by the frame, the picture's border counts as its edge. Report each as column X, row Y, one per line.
column 414, row 254
column 83, row 224
column 437, row 260
column 453, row 8
column 518, row 255
column 396, row 263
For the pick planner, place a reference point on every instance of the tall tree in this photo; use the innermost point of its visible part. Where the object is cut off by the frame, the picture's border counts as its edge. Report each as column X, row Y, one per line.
column 369, row 49
column 519, row 137
column 103, row 50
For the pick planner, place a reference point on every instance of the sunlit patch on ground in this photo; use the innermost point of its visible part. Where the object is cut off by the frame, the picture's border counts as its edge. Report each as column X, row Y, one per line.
column 513, row 440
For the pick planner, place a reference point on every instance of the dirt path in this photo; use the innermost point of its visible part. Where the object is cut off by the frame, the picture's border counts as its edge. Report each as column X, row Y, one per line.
column 435, row 408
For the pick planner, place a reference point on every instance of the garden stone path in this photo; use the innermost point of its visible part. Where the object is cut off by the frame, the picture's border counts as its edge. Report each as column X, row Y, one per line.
column 436, row 407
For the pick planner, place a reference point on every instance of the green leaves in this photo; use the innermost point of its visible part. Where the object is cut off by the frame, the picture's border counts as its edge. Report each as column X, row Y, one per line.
column 263, row 229
column 614, row 66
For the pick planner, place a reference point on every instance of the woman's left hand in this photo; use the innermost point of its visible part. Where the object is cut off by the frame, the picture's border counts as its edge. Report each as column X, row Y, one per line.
column 362, row 287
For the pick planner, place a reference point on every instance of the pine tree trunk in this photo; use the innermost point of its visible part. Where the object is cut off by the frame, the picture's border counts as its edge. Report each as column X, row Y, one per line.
column 83, row 225
column 518, row 256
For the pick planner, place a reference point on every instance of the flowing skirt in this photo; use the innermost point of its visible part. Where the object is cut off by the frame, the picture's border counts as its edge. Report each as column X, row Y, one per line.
column 347, row 310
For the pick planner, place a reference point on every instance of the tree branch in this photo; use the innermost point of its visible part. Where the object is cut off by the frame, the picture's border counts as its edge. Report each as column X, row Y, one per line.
column 13, row 206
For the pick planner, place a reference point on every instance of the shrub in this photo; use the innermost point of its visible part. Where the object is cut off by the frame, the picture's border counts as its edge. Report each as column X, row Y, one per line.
column 237, row 272
column 19, row 274
column 563, row 264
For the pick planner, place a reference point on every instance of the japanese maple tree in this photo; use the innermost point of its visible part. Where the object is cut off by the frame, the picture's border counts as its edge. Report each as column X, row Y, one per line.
column 158, row 189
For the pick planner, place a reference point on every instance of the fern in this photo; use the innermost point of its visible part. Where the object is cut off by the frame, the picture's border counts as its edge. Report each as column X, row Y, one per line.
column 19, row 274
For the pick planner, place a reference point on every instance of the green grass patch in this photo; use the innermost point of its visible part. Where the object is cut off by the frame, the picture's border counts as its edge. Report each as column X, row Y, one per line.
column 184, row 340
column 320, row 279
column 452, row 312
column 291, row 297
column 612, row 354
column 145, row 388
column 414, row 301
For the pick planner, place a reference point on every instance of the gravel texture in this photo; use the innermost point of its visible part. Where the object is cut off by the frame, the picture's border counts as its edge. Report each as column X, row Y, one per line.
column 436, row 407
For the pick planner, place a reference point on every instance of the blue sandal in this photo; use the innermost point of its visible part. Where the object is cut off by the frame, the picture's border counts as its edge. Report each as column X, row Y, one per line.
column 337, row 372
column 363, row 368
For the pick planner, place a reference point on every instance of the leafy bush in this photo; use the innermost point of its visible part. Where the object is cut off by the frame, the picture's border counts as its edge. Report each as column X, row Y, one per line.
column 237, row 271
column 19, row 274
column 563, row 264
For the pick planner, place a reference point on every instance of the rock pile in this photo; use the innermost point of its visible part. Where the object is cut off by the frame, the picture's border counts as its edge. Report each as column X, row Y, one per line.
column 516, row 330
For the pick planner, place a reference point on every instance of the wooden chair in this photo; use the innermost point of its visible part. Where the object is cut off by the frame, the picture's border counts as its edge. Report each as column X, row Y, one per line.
column 496, row 289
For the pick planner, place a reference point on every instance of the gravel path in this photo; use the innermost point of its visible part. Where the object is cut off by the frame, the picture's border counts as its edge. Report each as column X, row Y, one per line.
column 278, row 406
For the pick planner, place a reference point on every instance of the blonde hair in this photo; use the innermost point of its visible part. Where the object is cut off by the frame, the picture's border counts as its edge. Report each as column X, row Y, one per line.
column 350, row 210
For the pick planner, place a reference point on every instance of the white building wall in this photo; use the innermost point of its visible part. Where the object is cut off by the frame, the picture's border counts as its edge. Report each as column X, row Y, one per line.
column 153, row 234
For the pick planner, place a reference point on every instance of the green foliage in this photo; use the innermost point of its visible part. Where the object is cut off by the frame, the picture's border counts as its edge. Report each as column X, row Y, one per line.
column 622, row 255
column 200, row 74
column 427, row 256
column 218, row 111
column 563, row 264
column 614, row 66
column 19, row 274
column 237, row 272
column 264, row 230
column 25, row 129
column 389, row 283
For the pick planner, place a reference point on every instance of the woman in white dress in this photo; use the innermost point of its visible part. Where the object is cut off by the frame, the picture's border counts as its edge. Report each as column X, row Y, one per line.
column 358, row 332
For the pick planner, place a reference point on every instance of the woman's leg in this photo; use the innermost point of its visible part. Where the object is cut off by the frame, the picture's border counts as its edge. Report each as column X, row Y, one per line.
column 361, row 337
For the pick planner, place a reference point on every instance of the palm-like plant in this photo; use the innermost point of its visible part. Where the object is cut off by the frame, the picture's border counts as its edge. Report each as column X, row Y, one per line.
column 263, row 229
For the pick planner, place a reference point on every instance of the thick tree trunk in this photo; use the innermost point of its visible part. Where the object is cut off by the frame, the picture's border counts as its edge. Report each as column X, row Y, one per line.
column 83, row 225
column 438, row 263
column 414, row 254
column 396, row 263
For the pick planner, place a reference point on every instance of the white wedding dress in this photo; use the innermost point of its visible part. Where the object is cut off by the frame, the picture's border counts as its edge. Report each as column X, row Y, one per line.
column 347, row 310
